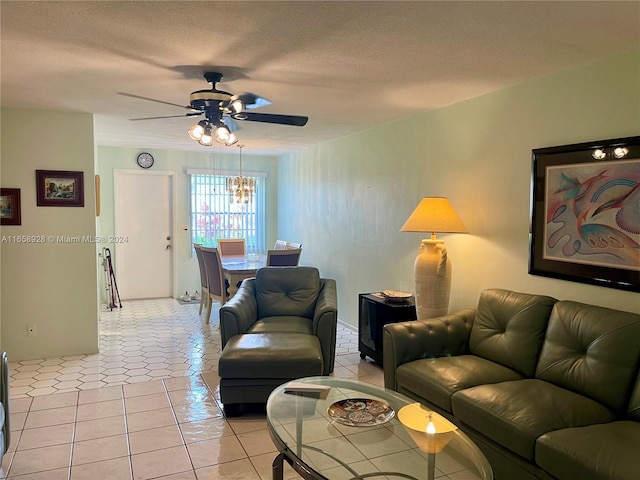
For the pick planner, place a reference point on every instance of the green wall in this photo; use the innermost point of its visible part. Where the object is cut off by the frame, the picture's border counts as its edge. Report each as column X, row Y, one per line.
column 186, row 266
column 50, row 284
column 346, row 199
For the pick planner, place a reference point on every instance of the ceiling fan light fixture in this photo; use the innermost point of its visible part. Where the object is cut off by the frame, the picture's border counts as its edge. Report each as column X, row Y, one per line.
column 222, row 134
column 236, row 106
column 207, row 138
column 197, row 130
column 232, row 140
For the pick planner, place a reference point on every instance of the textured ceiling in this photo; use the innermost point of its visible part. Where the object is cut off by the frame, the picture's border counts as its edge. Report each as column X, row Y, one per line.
column 347, row 65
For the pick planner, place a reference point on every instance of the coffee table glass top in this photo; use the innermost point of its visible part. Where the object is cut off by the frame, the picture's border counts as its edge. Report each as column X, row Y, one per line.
column 359, row 430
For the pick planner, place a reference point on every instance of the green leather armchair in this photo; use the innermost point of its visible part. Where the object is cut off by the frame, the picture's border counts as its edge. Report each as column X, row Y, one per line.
column 285, row 299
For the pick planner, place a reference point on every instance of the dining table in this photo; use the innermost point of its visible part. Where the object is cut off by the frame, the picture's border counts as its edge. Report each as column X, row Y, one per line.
column 237, row 268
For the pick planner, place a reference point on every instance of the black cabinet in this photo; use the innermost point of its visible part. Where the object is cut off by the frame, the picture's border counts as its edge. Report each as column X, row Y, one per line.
column 373, row 314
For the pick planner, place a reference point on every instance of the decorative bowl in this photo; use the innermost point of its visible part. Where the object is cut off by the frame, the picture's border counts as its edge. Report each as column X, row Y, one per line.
column 395, row 296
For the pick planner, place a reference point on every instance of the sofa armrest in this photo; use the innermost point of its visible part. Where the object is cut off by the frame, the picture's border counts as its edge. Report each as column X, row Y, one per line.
column 325, row 322
column 404, row 342
column 239, row 313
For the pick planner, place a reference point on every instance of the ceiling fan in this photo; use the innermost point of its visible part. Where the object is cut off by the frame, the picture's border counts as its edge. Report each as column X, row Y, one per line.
column 220, row 109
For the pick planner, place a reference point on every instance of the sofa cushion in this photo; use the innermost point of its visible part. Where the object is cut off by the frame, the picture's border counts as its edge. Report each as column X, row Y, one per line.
column 514, row 414
column 436, row 379
column 509, row 328
column 593, row 351
column 282, row 324
column 597, row 452
column 289, row 291
column 271, row 355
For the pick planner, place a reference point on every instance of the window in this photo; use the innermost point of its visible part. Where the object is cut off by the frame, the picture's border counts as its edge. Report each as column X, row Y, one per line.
column 213, row 215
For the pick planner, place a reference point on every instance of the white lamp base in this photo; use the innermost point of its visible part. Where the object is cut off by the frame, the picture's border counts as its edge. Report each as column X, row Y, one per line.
column 432, row 276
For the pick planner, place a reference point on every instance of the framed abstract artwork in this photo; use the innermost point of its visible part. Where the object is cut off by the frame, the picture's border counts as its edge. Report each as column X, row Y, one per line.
column 59, row 188
column 585, row 215
column 10, row 206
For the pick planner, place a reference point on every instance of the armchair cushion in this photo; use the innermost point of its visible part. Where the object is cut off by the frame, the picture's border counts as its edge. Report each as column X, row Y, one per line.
column 282, row 324
column 293, row 293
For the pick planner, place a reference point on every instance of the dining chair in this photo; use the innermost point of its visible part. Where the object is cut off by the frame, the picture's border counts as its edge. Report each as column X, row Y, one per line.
column 215, row 278
column 232, row 247
column 280, row 245
column 204, row 287
column 293, row 246
column 283, row 258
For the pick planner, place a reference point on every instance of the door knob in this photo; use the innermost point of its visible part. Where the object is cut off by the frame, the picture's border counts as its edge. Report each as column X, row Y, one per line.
column 168, row 238
column 168, row 247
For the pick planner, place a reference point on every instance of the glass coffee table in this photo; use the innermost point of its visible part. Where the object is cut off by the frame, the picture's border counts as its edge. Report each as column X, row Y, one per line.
column 355, row 430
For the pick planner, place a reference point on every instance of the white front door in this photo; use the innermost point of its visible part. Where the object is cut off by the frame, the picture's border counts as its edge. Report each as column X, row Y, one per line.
column 143, row 214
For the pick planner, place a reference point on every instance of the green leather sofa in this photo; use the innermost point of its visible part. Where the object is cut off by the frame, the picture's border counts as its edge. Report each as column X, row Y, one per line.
column 279, row 326
column 547, row 389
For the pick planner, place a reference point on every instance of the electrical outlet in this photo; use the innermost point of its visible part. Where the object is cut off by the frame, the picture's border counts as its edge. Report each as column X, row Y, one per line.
column 31, row 330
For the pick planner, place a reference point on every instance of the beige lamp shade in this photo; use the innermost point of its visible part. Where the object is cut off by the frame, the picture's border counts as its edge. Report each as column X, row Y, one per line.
column 434, row 214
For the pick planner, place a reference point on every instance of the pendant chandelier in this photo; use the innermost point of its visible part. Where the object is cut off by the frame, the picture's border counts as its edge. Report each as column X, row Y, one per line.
column 241, row 189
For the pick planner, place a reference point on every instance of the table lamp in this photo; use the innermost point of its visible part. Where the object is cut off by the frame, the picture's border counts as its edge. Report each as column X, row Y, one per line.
column 432, row 268
column 430, row 431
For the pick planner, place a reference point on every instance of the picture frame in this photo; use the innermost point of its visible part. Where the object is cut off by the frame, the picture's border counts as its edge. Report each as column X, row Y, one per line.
column 585, row 225
column 10, row 213
column 59, row 188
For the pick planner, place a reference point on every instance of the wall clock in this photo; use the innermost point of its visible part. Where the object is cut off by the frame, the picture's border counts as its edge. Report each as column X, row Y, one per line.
column 145, row 160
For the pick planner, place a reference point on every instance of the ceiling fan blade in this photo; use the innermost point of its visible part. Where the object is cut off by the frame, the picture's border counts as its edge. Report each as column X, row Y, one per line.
column 294, row 120
column 193, row 114
column 156, row 100
column 251, row 100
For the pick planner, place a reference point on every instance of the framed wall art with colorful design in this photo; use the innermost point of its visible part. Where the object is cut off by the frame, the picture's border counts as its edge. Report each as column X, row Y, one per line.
column 585, row 215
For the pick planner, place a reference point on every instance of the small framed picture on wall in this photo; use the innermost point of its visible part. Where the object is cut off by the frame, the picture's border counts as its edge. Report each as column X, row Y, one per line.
column 10, row 206
column 59, row 188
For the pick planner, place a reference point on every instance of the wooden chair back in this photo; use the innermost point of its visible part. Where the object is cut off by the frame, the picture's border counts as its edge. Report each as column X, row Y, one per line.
column 215, row 277
column 283, row 258
column 232, row 247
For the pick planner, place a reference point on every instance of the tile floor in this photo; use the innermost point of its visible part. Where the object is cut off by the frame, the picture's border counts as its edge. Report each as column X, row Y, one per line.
column 145, row 407
column 143, row 341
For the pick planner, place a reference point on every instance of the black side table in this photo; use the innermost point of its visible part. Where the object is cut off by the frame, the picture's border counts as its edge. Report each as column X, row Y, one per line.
column 373, row 314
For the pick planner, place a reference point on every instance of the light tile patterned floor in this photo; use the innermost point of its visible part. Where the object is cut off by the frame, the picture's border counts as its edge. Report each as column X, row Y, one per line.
column 143, row 341
column 146, row 407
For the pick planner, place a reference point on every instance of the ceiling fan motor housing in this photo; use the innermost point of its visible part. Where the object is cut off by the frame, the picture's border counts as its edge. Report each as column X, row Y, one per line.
column 203, row 99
